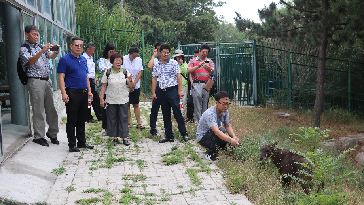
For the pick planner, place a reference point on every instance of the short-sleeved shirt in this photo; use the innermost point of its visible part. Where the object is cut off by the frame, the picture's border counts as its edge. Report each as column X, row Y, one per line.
column 166, row 73
column 209, row 119
column 134, row 67
column 201, row 73
column 103, row 64
column 183, row 69
column 90, row 66
column 156, row 60
column 75, row 70
column 39, row 69
column 117, row 92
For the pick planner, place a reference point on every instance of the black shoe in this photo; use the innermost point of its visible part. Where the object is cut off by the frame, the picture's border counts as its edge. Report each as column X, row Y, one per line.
column 91, row 121
column 126, row 142
column 116, row 141
column 53, row 140
column 85, row 146
column 74, row 149
column 154, row 134
column 41, row 141
column 166, row 140
column 185, row 138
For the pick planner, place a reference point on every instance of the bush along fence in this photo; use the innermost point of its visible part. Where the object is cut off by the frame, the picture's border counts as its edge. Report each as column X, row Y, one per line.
column 124, row 31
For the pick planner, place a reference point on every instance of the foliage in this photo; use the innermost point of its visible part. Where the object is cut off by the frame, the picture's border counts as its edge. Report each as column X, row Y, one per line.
column 93, row 190
column 59, row 171
column 193, row 20
column 318, row 23
column 70, row 188
column 310, row 137
column 88, row 201
column 227, row 32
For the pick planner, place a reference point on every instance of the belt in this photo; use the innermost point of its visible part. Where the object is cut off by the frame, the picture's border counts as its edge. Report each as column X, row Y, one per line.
column 199, row 81
column 46, row 79
column 169, row 88
column 77, row 90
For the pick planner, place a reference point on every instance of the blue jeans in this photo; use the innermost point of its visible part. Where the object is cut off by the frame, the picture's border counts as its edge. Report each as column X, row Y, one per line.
column 154, row 112
column 171, row 100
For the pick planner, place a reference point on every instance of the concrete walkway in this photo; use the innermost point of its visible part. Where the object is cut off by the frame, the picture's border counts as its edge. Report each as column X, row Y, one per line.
column 134, row 174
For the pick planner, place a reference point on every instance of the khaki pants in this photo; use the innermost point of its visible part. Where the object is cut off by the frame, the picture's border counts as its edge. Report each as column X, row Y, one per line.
column 41, row 99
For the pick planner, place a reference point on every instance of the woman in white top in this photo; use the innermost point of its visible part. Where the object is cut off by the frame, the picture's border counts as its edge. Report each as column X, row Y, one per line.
column 104, row 64
column 117, row 99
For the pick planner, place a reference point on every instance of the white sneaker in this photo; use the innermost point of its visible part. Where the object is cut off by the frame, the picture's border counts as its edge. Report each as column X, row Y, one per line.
column 207, row 156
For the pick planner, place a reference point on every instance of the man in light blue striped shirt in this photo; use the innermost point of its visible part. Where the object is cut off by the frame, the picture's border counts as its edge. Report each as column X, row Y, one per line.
column 167, row 72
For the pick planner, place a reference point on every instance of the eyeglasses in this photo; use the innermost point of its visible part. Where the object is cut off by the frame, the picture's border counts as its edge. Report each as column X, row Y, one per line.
column 224, row 104
column 78, row 45
column 165, row 53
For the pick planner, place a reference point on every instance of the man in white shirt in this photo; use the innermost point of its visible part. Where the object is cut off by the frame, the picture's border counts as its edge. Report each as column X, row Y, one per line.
column 90, row 50
column 134, row 65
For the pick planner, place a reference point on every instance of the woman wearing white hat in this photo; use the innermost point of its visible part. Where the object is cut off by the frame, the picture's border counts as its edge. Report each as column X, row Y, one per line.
column 180, row 58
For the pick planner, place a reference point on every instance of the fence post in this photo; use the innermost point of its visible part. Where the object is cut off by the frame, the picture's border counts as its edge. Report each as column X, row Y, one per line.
column 349, row 85
column 255, row 86
column 79, row 30
column 289, row 81
column 143, row 58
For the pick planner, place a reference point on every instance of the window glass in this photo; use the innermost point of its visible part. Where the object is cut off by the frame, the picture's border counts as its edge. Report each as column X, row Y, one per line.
column 49, row 32
column 64, row 14
column 27, row 20
column 40, row 6
column 47, row 6
column 41, row 30
column 67, row 17
column 58, row 8
column 31, row 2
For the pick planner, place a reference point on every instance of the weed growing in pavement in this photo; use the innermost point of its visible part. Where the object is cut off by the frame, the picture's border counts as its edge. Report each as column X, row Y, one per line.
column 107, row 198
column 88, row 201
column 126, row 190
column 70, row 188
column 93, row 190
column 41, row 203
column 59, row 170
column 134, row 177
column 128, row 198
column 141, row 164
column 64, row 119
column 192, row 173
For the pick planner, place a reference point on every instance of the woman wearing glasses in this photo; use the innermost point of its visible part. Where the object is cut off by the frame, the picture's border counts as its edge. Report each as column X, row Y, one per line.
column 117, row 99
column 104, row 64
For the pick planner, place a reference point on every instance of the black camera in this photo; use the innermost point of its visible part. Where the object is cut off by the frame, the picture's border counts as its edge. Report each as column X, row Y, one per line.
column 207, row 62
column 54, row 48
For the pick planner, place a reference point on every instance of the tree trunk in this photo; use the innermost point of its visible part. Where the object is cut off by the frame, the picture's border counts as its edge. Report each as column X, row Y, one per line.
column 320, row 83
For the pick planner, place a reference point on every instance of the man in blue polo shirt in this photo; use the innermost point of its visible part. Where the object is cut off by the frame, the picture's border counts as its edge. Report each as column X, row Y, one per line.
column 170, row 82
column 75, row 88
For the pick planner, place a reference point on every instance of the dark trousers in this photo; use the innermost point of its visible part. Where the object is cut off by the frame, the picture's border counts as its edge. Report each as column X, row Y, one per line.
column 212, row 142
column 95, row 103
column 154, row 111
column 77, row 111
column 190, row 108
column 104, row 115
column 170, row 100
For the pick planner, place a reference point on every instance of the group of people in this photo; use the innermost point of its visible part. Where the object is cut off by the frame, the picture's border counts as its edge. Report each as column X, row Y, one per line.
column 120, row 88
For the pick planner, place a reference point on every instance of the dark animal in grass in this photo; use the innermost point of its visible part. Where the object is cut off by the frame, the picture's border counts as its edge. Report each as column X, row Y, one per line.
column 287, row 163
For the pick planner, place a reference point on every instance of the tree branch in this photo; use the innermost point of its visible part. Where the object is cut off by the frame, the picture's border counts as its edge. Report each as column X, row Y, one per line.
column 294, row 7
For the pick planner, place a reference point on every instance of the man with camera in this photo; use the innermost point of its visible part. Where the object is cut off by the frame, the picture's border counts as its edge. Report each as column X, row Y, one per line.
column 201, row 69
column 34, row 60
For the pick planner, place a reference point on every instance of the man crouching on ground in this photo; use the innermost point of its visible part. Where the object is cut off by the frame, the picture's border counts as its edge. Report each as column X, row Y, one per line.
column 210, row 133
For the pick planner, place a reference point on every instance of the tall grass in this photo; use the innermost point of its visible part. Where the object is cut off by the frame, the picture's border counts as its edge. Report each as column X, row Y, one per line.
column 260, row 181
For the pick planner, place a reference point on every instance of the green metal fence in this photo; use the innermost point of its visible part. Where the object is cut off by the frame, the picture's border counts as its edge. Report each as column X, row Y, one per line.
column 124, row 31
column 268, row 74
column 287, row 79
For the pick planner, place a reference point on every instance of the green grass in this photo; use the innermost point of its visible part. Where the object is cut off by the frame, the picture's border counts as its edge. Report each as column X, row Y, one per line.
column 59, row 171
column 70, row 188
column 93, row 190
